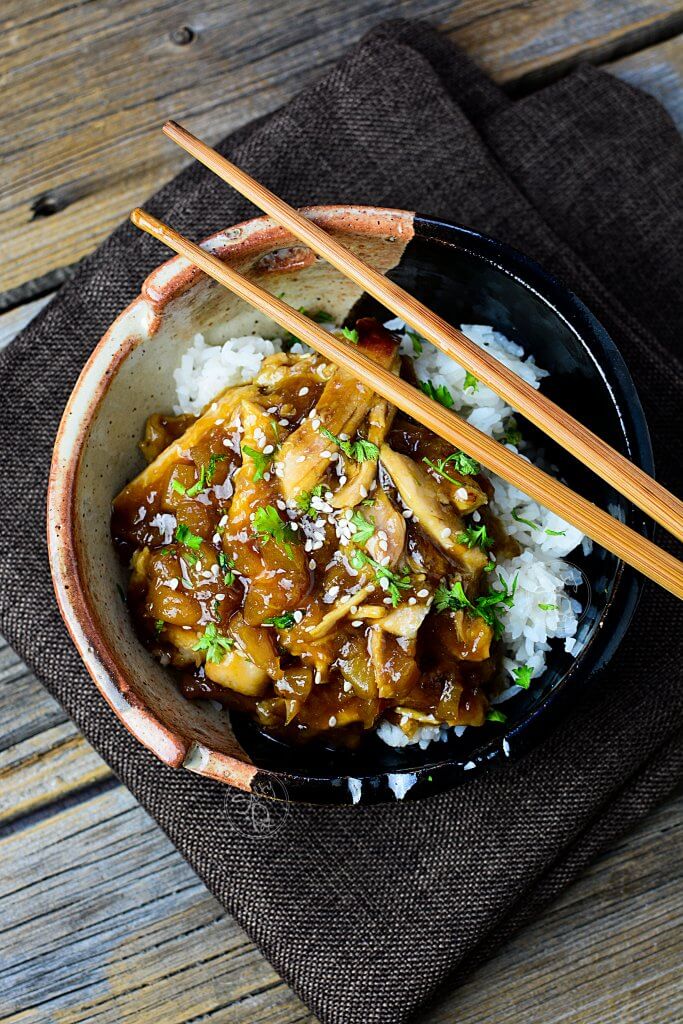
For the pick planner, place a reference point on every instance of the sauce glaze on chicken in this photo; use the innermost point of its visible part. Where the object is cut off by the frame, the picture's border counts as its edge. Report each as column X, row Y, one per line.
column 306, row 554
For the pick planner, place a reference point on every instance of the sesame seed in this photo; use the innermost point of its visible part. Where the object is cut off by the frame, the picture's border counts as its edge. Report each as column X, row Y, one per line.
column 363, row 491
column 301, row 458
column 461, row 494
column 216, row 538
column 357, row 622
column 315, row 424
column 269, row 449
column 304, row 391
column 446, row 532
column 283, row 423
column 475, row 516
column 332, row 722
column 412, row 600
column 388, row 600
column 407, row 513
column 312, row 563
column 226, row 442
column 326, row 454
column 423, row 593
column 171, row 584
column 342, row 480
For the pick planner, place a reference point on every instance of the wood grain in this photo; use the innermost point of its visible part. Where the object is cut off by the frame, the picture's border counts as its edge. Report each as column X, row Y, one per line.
column 106, row 921
column 87, row 85
column 101, row 918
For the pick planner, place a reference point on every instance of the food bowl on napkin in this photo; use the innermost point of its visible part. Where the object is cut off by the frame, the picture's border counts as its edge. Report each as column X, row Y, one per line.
column 137, row 369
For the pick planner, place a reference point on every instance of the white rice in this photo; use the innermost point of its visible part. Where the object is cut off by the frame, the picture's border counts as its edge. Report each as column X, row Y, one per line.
column 541, row 572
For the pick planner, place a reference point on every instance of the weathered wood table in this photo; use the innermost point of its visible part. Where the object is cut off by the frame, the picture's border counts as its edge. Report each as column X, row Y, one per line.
column 100, row 918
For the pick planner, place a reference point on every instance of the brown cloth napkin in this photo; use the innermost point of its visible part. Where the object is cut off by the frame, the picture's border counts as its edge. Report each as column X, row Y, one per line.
column 366, row 911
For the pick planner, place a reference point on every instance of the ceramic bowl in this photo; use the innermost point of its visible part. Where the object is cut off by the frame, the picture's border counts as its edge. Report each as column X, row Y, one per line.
column 467, row 278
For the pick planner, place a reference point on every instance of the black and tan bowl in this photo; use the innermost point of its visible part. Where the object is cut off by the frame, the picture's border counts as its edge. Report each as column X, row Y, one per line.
column 467, row 278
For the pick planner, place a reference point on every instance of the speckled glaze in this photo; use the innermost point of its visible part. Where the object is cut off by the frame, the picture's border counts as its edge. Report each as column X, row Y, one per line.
column 129, row 374
column 465, row 277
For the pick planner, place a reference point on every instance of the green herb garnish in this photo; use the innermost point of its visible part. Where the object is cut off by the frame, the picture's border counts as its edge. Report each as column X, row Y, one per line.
column 493, row 715
column 360, row 450
column 523, row 676
column 556, row 533
column 461, row 462
column 511, row 435
column 227, row 565
column 351, row 334
column 213, row 462
column 261, row 461
column 269, row 526
column 440, row 393
column 395, row 582
column 470, row 382
column 322, row 317
column 475, row 536
column 158, row 626
column 215, row 645
column 284, row 621
column 187, row 538
column 364, row 529
column 303, row 500
column 416, row 342
column 548, row 607
column 454, row 598
column 527, row 522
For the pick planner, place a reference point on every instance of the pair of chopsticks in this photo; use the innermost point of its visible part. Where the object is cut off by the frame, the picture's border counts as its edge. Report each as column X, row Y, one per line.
column 607, row 463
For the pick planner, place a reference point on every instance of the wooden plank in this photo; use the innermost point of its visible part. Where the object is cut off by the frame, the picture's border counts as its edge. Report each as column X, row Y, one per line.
column 657, row 70
column 86, row 87
column 126, row 932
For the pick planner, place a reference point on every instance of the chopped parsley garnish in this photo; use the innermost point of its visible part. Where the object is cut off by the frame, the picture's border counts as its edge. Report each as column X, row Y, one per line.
column 548, row 607
column 527, row 522
column 395, row 582
column 364, row 529
column 494, row 715
column 284, row 621
column 416, row 342
column 511, row 435
column 269, row 526
column 303, row 500
column 193, row 491
column 206, row 475
column 454, row 598
column 475, row 536
column 351, row 334
column 461, row 462
column 523, row 676
column 158, row 626
column 360, row 450
column 227, row 565
column 440, row 393
column 556, row 533
column 185, row 536
column 322, row 317
column 213, row 462
column 261, row 461
column 215, row 645
column 470, row 382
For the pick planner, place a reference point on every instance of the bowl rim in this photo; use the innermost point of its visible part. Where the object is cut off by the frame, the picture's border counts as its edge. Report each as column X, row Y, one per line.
column 171, row 279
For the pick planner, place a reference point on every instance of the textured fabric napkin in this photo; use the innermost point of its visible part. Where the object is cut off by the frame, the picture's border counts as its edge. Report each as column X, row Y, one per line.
column 366, row 911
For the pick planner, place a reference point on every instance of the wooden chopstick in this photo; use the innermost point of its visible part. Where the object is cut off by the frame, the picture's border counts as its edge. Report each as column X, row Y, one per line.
column 592, row 451
column 618, row 538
